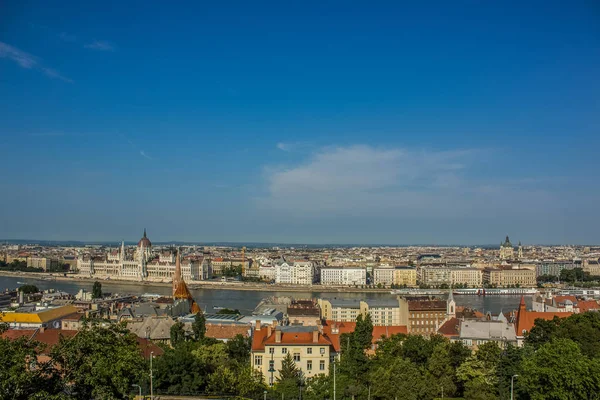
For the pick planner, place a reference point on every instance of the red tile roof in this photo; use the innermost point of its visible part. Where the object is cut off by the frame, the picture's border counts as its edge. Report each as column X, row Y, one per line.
column 587, row 305
column 450, row 328
column 226, row 331
column 526, row 319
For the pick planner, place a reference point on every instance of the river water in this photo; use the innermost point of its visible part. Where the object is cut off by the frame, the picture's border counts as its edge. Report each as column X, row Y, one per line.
column 246, row 300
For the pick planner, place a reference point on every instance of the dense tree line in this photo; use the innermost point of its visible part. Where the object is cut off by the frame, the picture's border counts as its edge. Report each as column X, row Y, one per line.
column 17, row 265
column 97, row 363
column 559, row 361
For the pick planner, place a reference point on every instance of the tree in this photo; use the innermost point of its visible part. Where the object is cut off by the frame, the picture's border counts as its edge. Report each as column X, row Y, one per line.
column 99, row 363
column 21, row 375
column 250, row 382
column 29, row 289
column 559, row 371
column 97, row 290
column 228, row 311
column 177, row 334
column 288, row 370
column 178, row 371
column 199, row 326
column 400, row 377
column 439, row 367
column 238, row 349
column 542, row 332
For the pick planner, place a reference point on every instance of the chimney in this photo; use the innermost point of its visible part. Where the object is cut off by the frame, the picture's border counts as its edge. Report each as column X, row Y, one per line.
column 42, row 329
column 278, row 336
column 316, row 336
column 257, row 327
column 269, row 331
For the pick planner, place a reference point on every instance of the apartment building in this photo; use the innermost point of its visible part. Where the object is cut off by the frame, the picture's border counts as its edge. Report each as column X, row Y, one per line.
column 295, row 273
column 503, row 277
column 343, row 276
column 219, row 264
column 552, row 267
column 472, row 277
column 383, row 312
column 424, row 316
column 436, row 276
column 311, row 349
column 402, row 276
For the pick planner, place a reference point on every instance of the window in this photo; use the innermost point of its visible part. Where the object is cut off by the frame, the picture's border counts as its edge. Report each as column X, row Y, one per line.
column 257, row 360
column 271, row 350
column 309, row 350
column 322, row 350
column 309, row 365
column 297, row 357
column 284, row 350
column 322, row 365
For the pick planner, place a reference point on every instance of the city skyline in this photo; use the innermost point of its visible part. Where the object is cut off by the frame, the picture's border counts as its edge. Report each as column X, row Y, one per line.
column 282, row 124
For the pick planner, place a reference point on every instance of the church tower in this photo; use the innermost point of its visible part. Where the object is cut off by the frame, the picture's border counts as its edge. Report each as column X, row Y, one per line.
column 520, row 255
column 450, row 306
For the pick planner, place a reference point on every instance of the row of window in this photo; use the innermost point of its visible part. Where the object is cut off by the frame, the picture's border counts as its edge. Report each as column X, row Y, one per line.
column 425, row 315
column 284, row 350
column 309, row 363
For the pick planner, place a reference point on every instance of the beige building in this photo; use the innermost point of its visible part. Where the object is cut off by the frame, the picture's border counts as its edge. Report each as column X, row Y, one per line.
column 311, row 350
column 405, row 276
column 436, row 276
column 472, row 277
column 39, row 262
column 507, row 251
column 383, row 312
column 510, row 277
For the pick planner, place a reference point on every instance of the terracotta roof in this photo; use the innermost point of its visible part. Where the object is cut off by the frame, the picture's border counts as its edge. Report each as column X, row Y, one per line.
column 587, row 305
column 291, row 338
column 450, row 327
column 426, row 305
column 49, row 337
column 526, row 319
column 227, row 331
column 146, row 347
column 380, row 332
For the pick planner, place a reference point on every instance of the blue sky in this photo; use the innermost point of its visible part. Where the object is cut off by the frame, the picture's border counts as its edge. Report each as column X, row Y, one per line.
column 451, row 122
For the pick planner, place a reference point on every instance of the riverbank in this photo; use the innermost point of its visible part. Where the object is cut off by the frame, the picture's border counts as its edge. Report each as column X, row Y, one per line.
column 210, row 285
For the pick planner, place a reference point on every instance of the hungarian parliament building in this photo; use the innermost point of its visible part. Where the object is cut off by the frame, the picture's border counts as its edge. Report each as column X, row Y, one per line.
column 143, row 265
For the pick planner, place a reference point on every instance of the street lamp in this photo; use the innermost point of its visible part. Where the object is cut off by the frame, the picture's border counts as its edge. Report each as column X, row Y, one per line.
column 512, row 386
column 265, row 392
column 151, row 389
column 139, row 388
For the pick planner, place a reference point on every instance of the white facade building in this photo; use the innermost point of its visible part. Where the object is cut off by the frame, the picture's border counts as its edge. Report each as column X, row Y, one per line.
column 343, row 276
column 296, row 273
column 143, row 266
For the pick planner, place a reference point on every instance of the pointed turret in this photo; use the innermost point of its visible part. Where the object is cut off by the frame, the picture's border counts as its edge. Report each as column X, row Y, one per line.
column 450, row 305
column 122, row 250
column 177, row 275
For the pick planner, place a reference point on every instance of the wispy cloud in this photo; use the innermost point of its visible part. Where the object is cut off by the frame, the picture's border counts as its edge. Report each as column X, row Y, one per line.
column 29, row 61
column 100, row 45
column 66, row 37
column 292, row 146
column 364, row 181
column 143, row 154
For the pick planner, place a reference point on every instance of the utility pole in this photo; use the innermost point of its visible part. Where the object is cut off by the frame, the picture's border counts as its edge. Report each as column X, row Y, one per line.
column 151, row 389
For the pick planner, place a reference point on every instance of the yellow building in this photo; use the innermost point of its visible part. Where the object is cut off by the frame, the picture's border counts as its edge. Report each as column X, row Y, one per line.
column 510, row 277
column 310, row 349
column 46, row 317
column 405, row 276
column 383, row 312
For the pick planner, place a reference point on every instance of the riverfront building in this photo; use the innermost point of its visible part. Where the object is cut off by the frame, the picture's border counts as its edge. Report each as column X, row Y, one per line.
column 343, row 276
column 143, row 264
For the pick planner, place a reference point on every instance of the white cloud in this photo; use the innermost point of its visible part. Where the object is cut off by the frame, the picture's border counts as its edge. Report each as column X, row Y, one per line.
column 100, row 45
column 365, row 181
column 29, row 61
column 283, row 146
column 22, row 58
column 143, row 154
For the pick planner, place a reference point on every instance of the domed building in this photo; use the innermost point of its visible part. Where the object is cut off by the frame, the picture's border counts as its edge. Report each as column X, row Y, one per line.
column 144, row 246
column 507, row 250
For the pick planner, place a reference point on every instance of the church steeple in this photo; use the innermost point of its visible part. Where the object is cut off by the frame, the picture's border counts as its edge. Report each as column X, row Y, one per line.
column 146, row 236
column 177, row 275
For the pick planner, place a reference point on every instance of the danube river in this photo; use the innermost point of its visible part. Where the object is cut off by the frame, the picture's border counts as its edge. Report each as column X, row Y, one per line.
column 246, row 300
